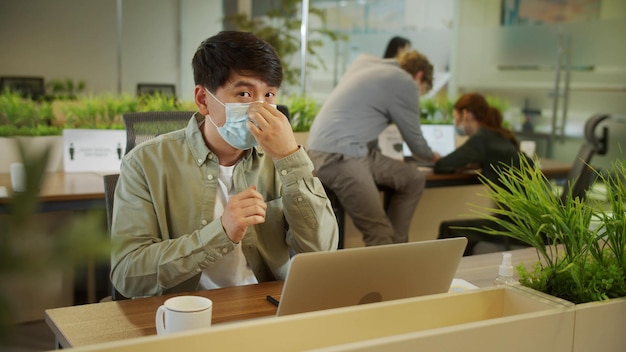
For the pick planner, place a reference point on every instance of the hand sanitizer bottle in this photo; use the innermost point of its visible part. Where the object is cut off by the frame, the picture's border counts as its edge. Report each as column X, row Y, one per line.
column 505, row 272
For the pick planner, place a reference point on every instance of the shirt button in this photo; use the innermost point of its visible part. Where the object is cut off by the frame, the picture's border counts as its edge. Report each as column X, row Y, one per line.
column 209, row 177
column 299, row 199
column 204, row 222
column 224, row 250
column 199, row 161
column 284, row 172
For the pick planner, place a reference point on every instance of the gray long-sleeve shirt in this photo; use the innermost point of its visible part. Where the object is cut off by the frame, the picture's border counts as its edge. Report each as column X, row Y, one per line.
column 372, row 94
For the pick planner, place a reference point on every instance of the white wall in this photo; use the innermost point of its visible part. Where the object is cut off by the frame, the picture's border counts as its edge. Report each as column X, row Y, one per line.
column 78, row 39
column 60, row 39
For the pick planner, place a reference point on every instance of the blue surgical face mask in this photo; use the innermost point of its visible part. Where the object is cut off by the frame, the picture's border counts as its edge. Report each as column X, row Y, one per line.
column 460, row 130
column 235, row 130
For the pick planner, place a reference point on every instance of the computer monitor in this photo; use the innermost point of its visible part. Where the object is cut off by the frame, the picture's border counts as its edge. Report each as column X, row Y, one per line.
column 32, row 87
column 440, row 138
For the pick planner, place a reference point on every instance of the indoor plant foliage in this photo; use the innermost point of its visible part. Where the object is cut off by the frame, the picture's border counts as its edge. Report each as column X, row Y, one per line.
column 27, row 246
column 303, row 110
column 280, row 27
column 581, row 262
column 436, row 111
column 25, row 117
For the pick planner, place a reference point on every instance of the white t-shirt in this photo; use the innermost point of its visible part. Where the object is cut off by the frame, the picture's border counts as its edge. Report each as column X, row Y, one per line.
column 232, row 269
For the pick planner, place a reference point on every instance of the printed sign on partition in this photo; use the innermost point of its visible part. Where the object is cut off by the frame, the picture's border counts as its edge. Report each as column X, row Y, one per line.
column 93, row 150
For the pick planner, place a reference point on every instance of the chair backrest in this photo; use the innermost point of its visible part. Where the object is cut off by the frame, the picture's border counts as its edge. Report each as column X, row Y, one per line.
column 110, row 182
column 581, row 175
column 285, row 110
column 141, row 126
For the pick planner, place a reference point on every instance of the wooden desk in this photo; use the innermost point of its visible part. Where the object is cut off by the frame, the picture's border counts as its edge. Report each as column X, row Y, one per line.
column 111, row 321
column 552, row 169
column 85, row 190
column 62, row 191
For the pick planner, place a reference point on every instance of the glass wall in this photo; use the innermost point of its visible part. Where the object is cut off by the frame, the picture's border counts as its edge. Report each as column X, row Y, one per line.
column 370, row 24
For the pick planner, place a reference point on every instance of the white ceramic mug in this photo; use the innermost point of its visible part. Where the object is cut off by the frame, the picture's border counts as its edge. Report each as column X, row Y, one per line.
column 18, row 177
column 184, row 313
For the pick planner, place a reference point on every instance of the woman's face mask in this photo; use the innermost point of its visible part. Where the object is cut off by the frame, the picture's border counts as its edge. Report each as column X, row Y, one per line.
column 235, row 130
column 458, row 126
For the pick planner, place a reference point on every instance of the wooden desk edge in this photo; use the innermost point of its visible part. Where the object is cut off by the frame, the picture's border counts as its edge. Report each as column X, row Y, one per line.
column 55, row 317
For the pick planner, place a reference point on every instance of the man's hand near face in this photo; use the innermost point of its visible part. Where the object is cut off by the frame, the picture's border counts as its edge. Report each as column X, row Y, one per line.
column 272, row 130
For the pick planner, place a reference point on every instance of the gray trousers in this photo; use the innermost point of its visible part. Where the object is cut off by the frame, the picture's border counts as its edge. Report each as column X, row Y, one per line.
column 355, row 180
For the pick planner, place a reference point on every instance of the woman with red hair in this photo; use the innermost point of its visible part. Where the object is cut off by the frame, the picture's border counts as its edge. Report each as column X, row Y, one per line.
column 490, row 147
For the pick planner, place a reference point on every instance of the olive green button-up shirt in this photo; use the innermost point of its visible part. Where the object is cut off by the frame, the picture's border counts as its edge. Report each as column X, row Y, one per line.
column 163, row 231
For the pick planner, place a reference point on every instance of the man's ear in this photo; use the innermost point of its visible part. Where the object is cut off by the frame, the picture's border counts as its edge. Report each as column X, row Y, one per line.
column 419, row 75
column 200, row 98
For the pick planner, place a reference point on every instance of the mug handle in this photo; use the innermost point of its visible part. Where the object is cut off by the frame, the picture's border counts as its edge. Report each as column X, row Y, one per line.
column 160, row 320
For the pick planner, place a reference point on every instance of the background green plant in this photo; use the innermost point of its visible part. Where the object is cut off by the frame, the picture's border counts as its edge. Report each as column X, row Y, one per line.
column 303, row 110
column 25, row 117
column 64, row 89
column 581, row 262
column 280, row 27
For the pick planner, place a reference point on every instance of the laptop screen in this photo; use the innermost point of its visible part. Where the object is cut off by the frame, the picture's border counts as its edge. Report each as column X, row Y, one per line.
column 440, row 138
column 347, row 277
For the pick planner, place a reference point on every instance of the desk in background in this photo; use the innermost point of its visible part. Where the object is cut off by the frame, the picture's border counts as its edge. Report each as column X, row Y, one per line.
column 85, row 190
column 61, row 191
column 112, row 321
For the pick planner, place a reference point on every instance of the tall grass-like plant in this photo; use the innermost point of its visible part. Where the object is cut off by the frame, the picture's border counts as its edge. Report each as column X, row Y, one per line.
column 577, row 261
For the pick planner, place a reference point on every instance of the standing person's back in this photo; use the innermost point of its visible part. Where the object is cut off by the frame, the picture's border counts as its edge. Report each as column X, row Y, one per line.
column 372, row 94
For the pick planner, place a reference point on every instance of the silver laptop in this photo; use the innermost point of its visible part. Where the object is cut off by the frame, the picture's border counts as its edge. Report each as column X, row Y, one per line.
column 440, row 139
column 347, row 277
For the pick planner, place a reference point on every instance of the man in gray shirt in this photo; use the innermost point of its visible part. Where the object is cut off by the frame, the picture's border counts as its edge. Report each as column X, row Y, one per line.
column 372, row 94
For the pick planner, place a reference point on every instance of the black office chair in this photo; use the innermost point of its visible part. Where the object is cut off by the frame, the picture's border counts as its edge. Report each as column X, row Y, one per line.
column 581, row 176
column 578, row 181
column 141, row 126
column 110, row 181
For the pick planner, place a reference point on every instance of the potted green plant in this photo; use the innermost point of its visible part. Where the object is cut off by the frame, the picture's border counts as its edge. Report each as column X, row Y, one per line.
column 280, row 27
column 26, row 119
column 581, row 244
column 585, row 259
column 99, row 112
column 302, row 111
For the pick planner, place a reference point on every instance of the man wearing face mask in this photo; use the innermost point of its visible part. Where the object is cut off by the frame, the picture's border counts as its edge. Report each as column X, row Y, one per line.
column 372, row 94
column 227, row 200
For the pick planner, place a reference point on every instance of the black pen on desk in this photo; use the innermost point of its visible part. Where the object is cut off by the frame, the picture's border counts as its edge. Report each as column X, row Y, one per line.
column 272, row 300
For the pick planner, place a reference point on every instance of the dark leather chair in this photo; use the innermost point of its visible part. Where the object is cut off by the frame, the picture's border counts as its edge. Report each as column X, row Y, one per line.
column 141, row 126
column 110, row 181
column 578, row 181
column 580, row 177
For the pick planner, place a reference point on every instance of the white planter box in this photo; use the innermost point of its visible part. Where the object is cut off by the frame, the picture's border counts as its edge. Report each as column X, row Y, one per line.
column 492, row 319
column 600, row 326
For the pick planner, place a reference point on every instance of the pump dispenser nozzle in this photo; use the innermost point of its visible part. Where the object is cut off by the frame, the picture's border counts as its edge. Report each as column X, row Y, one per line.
column 505, row 271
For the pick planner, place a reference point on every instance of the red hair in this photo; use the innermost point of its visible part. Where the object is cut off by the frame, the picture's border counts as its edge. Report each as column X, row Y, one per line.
column 487, row 116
